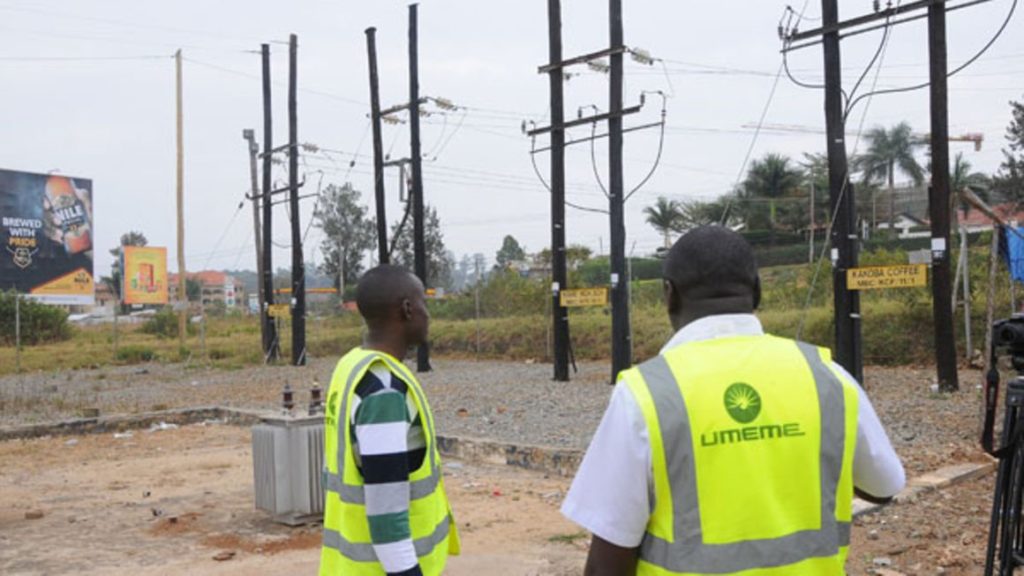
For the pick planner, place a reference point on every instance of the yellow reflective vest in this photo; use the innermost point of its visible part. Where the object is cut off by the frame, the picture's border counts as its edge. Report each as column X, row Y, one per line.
column 347, row 546
column 752, row 441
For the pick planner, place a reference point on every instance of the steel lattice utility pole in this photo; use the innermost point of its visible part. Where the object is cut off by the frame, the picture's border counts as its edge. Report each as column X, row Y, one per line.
column 849, row 348
column 559, row 277
column 298, row 266
column 419, row 234
column 621, row 349
column 938, row 201
column 378, row 148
column 250, row 137
column 273, row 350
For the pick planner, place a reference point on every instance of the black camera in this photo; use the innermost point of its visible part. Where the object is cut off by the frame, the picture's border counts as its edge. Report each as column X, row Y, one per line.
column 1009, row 335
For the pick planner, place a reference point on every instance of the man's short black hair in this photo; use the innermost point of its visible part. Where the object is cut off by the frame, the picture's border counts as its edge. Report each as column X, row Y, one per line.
column 711, row 262
column 381, row 290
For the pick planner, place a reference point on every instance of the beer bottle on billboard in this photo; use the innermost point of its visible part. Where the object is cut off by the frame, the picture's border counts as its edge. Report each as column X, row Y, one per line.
column 69, row 214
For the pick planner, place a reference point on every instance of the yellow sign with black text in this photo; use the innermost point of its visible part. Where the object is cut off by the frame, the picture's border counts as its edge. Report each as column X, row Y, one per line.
column 584, row 297
column 881, row 277
column 279, row 311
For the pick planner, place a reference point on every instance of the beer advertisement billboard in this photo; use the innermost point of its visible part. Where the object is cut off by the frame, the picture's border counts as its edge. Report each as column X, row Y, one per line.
column 46, row 228
column 145, row 275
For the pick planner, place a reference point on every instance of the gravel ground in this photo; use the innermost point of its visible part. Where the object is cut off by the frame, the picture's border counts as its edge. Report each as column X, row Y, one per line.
column 504, row 401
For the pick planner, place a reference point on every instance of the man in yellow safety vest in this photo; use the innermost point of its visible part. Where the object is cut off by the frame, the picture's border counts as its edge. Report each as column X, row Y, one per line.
column 732, row 451
column 386, row 512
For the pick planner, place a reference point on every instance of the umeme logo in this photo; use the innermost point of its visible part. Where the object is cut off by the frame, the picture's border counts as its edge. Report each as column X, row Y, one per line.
column 742, row 402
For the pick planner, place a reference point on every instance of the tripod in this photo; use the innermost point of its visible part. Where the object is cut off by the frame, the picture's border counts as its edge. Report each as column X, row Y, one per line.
column 1006, row 534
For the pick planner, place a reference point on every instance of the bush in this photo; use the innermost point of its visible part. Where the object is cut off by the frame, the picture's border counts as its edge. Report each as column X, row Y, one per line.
column 40, row 324
column 135, row 354
column 164, row 324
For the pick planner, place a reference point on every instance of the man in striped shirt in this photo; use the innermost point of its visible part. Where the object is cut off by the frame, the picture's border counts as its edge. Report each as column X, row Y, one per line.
column 391, row 443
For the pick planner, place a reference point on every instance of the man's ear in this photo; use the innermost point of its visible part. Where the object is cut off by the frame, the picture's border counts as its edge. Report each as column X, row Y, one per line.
column 757, row 291
column 671, row 297
column 406, row 309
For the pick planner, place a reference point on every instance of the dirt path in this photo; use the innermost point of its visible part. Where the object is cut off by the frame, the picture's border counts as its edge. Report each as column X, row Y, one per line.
column 167, row 502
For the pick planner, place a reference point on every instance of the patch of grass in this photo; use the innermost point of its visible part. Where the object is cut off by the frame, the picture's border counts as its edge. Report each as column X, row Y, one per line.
column 568, row 538
column 135, row 354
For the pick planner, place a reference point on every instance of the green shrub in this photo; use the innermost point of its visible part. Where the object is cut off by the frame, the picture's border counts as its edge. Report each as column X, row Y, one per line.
column 135, row 354
column 40, row 324
column 164, row 324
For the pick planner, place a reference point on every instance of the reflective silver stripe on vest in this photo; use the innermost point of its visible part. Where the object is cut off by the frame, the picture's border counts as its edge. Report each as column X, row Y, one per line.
column 363, row 552
column 351, row 494
column 354, row 494
column 689, row 553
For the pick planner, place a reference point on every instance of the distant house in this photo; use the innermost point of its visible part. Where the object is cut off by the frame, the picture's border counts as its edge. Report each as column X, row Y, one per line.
column 216, row 287
column 907, row 226
column 975, row 221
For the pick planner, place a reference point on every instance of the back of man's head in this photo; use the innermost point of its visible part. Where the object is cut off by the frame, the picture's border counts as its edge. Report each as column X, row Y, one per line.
column 380, row 293
column 712, row 263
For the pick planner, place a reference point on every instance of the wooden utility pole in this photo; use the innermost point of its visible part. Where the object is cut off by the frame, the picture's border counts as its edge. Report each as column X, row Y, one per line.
column 182, row 275
column 250, row 137
column 378, row 148
column 273, row 349
column 298, row 266
column 622, row 356
column 419, row 232
column 849, row 346
column 938, row 201
column 559, row 276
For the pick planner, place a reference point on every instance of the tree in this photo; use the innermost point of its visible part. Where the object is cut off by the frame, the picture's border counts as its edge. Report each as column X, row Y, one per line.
column 575, row 255
column 131, row 238
column 439, row 260
column 768, row 180
column 348, row 233
column 962, row 178
column 695, row 213
column 1008, row 183
column 889, row 151
column 193, row 290
column 663, row 216
column 510, row 252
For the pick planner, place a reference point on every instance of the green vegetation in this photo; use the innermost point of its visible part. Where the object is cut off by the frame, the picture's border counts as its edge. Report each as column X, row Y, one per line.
column 39, row 323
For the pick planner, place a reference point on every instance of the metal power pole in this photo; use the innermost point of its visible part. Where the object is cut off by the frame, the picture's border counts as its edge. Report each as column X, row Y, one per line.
column 938, row 202
column 621, row 349
column 272, row 350
column 419, row 234
column 250, row 136
column 298, row 266
column 849, row 349
column 560, row 314
column 378, row 148
column 182, row 275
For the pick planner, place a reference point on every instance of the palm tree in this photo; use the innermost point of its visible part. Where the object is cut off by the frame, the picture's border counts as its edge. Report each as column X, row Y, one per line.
column 961, row 178
column 771, row 178
column 663, row 216
column 889, row 150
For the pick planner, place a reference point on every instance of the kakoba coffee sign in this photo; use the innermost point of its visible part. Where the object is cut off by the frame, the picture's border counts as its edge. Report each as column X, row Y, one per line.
column 46, row 228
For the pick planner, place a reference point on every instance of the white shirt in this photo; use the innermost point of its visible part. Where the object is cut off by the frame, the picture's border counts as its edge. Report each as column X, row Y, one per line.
column 612, row 495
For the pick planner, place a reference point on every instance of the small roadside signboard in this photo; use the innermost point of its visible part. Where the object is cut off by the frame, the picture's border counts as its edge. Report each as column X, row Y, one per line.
column 881, row 277
column 583, row 297
column 279, row 311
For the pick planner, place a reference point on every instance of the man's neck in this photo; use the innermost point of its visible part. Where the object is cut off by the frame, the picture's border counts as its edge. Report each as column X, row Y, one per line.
column 716, row 307
column 388, row 345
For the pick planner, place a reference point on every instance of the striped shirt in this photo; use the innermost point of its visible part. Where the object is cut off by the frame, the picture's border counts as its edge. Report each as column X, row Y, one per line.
column 388, row 445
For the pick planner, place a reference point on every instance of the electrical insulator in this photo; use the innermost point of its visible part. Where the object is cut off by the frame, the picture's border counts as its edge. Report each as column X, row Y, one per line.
column 641, row 56
column 287, row 397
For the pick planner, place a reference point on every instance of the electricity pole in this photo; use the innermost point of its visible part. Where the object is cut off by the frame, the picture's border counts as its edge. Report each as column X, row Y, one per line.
column 272, row 350
column 298, row 267
column 378, row 148
column 621, row 349
column 938, row 201
column 419, row 237
column 559, row 281
column 849, row 348
column 939, row 193
column 250, row 137
column 182, row 299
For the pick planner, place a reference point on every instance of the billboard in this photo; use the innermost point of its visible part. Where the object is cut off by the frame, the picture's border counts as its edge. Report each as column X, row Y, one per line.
column 144, row 276
column 46, row 228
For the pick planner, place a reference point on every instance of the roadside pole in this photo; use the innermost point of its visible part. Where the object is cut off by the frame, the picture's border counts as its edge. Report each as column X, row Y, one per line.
column 17, row 332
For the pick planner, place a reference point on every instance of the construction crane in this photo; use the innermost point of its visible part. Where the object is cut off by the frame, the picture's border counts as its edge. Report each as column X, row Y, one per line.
column 920, row 139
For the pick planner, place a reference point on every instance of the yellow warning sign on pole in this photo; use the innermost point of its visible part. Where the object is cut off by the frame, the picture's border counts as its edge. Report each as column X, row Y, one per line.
column 583, row 297
column 880, row 277
column 279, row 311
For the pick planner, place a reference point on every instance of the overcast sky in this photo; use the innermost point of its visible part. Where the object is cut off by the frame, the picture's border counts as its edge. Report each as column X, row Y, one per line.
column 88, row 89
